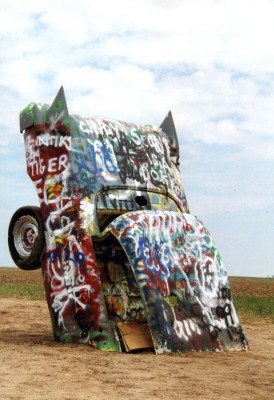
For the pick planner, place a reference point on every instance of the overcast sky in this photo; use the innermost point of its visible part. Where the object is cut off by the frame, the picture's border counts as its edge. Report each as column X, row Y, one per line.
column 209, row 61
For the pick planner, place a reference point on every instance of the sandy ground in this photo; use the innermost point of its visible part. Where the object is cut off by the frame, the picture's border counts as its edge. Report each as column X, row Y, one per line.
column 33, row 366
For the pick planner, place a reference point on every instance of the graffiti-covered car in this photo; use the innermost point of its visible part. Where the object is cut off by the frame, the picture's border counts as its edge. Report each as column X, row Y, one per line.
column 125, row 265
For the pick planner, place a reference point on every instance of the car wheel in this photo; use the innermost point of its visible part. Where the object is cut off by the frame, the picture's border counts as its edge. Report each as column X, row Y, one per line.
column 26, row 238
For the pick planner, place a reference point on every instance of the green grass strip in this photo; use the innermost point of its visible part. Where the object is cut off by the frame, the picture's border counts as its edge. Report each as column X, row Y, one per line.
column 245, row 304
column 254, row 306
column 19, row 291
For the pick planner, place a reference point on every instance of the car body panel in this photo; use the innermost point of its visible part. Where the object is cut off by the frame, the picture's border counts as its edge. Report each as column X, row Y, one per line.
column 182, row 279
column 121, row 245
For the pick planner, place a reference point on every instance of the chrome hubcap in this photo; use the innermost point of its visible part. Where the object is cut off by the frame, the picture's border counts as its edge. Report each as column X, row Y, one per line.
column 25, row 233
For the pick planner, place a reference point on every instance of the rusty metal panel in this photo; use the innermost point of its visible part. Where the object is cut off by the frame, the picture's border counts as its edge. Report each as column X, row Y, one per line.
column 135, row 336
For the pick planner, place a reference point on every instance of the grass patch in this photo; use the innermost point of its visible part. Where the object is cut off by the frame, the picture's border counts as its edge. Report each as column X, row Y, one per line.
column 19, row 291
column 252, row 297
column 251, row 306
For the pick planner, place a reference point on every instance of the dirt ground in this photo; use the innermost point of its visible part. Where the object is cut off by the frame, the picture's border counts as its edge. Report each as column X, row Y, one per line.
column 33, row 366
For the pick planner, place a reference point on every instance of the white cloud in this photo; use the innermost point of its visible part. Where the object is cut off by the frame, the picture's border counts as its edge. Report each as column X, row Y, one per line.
column 210, row 62
column 204, row 60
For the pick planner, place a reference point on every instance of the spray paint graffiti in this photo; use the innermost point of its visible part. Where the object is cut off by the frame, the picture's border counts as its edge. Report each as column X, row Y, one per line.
column 183, row 280
column 121, row 246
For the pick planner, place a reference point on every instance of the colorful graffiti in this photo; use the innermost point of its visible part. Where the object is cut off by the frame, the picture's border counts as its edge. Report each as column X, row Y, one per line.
column 119, row 153
column 121, row 246
column 183, row 279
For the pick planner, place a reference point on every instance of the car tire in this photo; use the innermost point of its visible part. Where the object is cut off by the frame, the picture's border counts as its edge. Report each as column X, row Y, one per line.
column 26, row 238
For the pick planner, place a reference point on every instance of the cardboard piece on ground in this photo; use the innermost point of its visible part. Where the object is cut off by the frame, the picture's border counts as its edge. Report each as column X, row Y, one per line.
column 135, row 336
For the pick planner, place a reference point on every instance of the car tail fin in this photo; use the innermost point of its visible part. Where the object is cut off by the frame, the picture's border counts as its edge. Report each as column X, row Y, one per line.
column 58, row 111
column 38, row 114
column 168, row 127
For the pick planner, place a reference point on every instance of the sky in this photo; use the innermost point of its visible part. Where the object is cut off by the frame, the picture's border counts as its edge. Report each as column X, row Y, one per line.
column 211, row 62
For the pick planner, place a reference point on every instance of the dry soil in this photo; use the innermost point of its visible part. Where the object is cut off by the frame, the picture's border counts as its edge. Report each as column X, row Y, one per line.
column 33, row 366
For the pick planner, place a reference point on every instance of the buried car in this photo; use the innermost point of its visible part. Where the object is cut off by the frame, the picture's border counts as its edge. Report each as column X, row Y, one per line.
column 125, row 265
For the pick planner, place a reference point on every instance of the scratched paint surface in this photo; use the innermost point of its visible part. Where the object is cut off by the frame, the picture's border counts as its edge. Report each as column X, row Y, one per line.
column 71, row 276
column 183, row 281
column 120, row 244
column 114, row 162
